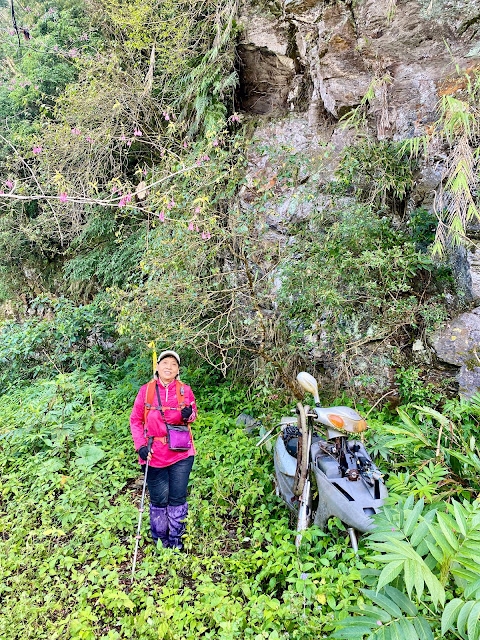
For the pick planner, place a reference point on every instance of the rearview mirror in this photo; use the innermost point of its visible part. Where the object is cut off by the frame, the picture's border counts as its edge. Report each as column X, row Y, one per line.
column 309, row 383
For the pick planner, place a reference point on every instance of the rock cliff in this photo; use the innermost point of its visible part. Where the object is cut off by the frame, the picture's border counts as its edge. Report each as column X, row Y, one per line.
column 304, row 65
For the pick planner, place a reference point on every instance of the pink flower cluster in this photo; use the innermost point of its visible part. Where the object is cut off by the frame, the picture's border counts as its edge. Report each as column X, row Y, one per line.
column 194, row 227
column 37, row 150
column 137, row 133
column 63, row 197
column 166, row 115
column 76, row 132
column 204, row 158
column 9, row 184
column 235, row 118
column 84, row 36
column 124, row 200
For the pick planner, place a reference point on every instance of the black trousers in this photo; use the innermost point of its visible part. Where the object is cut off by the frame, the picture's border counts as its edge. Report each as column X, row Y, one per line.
column 168, row 485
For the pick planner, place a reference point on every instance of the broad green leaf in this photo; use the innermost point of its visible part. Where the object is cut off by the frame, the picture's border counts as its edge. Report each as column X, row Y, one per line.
column 352, row 632
column 410, row 570
column 407, row 629
column 450, row 614
column 446, row 528
column 473, row 624
column 88, row 455
column 440, row 540
column 419, row 533
column 434, row 550
column 472, row 588
column 401, row 599
column 463, row 616
column 384, row 602
column 367, row 609
column 389, row 573
column 437, row 592
column 413, row 517
column 419, row 583
column 460, row 517
column 423, row 628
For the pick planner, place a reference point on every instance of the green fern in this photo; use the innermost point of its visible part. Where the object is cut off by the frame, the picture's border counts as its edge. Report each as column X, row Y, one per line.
column 392, row 616
column 428, row 553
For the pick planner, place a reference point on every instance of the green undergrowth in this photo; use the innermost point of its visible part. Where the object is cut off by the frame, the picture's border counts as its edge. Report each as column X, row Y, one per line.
column 69, row 513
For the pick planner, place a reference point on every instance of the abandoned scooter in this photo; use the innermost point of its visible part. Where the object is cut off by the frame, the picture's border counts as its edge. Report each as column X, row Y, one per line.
column 350, row 486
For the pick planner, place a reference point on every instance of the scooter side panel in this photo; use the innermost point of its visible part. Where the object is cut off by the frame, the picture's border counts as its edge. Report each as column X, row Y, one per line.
column 285, row 467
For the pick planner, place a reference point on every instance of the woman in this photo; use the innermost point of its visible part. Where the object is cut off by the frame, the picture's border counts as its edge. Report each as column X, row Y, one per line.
column 169, row 402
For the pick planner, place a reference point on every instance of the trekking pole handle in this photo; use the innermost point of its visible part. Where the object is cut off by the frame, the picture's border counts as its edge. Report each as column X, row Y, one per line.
column 149, row 445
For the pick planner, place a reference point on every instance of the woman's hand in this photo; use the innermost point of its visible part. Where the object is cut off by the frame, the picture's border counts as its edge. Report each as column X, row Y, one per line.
column 186, row 412
column 145, row 454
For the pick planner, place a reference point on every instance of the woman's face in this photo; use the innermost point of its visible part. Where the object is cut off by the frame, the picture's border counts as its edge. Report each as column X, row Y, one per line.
column 167, row 369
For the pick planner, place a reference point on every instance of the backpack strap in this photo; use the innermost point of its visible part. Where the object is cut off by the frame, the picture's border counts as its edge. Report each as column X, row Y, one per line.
column 180, row 394
column 149, row 395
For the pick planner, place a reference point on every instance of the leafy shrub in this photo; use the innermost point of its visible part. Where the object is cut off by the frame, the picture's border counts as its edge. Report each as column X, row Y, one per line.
column 358, row 277
column 380, row 172
column 64, row 338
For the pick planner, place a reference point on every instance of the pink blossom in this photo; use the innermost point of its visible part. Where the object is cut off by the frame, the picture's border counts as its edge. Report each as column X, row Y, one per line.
column 206, row 158
column 123, row 138
column 197, row 229
column 55, row 47
column 167, row 117
column 37, row 150
column 114, row 188
column 172, row 202
column 199, row 163
column 235, row 118
column 73, row 53
column 9, row 184
column 88, row 139
column 2, row 193
column 215, row 143
column 128, row 197
column 122, row 202
column 204, row 237
column 144, row 172
column 36, row 87
column 198, row 210
column 161, row 215
column 28, row 9
column 137, row 133
column 190, row 226
column 11, row 32
column 185, row 144
column 129, row 143
column 84, row 36
column 208, row 235
column 75, row 131
column 63, row 197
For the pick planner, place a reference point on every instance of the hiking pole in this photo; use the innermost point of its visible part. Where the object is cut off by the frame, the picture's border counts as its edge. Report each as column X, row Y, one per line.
column 138, row 536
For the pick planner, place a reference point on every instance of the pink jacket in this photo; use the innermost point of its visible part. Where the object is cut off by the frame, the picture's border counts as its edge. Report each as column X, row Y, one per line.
column 161, row 454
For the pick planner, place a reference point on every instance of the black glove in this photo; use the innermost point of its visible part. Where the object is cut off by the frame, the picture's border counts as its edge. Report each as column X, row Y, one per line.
column 186, row 412
column 143, row 452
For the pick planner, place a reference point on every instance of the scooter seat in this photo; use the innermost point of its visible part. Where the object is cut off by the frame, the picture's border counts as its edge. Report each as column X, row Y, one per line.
column 292, row 445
